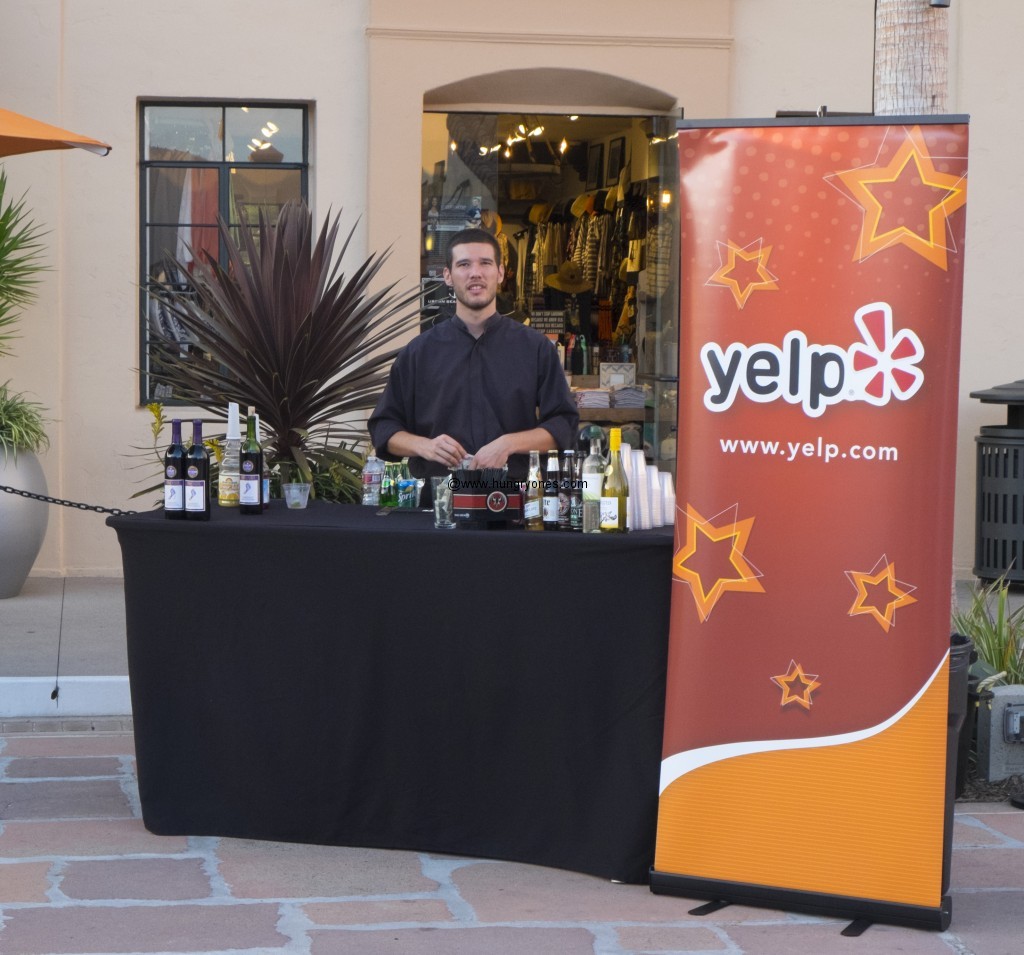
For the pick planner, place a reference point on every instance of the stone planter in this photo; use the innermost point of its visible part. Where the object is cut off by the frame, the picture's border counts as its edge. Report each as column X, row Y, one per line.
column 23, row 520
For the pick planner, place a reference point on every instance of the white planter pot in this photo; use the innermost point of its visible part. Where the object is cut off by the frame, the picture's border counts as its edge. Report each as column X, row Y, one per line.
column 23, row 520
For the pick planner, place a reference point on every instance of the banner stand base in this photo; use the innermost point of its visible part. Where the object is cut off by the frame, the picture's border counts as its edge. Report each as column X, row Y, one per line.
column 812, row 903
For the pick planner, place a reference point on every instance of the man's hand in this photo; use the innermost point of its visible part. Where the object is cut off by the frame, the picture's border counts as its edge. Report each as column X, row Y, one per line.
column 494, row 454
column 443, row 449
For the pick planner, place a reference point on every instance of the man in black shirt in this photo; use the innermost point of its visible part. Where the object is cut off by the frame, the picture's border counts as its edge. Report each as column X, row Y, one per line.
column 479, row 385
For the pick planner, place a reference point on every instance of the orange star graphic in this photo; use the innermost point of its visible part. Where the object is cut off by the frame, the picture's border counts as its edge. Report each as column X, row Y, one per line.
column 893, row 588
column 731, row 272
column 796, row 685
column 910, row 170
column 747, row 574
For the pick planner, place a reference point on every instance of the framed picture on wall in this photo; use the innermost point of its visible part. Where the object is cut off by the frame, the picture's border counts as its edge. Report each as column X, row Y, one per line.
column 595, row 166
column 616, row 158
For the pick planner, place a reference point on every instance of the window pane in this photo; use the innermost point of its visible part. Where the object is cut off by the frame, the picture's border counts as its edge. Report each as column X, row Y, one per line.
column 192, row 177
column 183, row 133
column 264, row 134
column 181, row 199
column 258, row 188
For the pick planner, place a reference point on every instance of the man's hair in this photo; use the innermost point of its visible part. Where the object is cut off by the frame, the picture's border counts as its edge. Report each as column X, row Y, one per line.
column 466, row 236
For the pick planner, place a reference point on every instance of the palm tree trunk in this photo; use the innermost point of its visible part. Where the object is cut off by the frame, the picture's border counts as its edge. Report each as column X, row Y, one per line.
column 911, row 54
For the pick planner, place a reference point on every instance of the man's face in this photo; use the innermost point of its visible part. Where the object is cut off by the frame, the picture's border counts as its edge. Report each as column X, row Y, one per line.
column 474, row 275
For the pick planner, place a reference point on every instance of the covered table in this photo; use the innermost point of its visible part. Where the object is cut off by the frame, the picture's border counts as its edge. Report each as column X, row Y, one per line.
column 337, row 677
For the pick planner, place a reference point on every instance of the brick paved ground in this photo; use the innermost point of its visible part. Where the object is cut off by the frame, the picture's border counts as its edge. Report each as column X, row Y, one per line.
column 80, row 874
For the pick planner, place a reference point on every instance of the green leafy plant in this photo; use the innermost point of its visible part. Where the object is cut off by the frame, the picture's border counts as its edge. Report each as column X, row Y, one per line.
column 282, row 328
column 997, row 633
column 22, row 421
column 20, row 262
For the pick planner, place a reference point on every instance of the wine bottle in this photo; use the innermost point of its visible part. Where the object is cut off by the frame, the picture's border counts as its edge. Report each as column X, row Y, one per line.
column 615, row 492
column 174, row 475
column 228, row 472
column 265, row 495
column 550, row 501
column 197, row 477
column 532, row 519
column 593, row 481
column 250, row 469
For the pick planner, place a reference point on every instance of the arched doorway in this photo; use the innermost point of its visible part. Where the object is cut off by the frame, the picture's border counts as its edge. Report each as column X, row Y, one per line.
column 581, row 168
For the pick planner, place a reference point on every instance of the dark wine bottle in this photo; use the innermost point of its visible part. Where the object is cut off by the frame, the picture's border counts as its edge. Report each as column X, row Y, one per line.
column 174, row 475
column 197, row 477
column 250, row 470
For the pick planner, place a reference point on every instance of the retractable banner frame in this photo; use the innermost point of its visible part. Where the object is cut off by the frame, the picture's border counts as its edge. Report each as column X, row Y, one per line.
column 804, row 761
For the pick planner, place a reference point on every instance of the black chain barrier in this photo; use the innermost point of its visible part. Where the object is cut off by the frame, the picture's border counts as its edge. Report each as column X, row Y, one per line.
column 116, row 511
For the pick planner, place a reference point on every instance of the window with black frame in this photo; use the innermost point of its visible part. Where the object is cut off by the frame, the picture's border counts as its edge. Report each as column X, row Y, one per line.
column 201, row 161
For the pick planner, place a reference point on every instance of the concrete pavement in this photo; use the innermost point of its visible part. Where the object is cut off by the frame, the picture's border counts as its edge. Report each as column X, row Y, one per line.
column 80, row 874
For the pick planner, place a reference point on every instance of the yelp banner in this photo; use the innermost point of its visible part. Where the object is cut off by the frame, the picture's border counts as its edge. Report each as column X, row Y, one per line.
column 805, row 738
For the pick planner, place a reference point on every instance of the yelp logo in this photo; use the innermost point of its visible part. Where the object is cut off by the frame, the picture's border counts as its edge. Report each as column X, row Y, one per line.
column 881, row 367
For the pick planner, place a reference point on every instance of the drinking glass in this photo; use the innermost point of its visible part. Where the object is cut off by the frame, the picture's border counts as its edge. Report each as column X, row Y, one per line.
column 444, row 516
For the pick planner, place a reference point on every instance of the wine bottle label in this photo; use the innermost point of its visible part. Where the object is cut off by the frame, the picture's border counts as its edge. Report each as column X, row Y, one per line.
column 531, row 510
column 592, row 486
column 610, row 514
column 227, row 487
column 195, row 495
column 174, row 495
column 249, row 489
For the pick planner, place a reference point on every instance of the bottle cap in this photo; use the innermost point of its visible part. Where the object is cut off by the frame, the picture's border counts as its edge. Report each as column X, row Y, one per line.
column 614, row 439
column 233, row 432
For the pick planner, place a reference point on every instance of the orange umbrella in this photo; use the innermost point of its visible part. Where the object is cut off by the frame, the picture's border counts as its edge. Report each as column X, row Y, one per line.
column 20, row 134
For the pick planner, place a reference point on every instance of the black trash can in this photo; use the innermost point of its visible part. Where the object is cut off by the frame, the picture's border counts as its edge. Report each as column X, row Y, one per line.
column 961, row 654
column 999, row 503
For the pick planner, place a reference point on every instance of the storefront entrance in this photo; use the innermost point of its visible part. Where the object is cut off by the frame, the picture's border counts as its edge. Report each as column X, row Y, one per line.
column 585, row 210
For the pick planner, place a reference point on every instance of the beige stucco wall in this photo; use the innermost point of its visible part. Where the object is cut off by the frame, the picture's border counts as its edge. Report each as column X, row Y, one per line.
column 366, row 66
column 799, row 54
column 84, row 65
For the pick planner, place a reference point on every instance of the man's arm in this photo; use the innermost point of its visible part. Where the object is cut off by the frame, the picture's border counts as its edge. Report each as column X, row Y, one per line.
column 495, row 454
column 443, row 449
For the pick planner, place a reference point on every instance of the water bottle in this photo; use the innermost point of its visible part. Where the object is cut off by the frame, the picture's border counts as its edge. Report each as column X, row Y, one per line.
column 373, row 474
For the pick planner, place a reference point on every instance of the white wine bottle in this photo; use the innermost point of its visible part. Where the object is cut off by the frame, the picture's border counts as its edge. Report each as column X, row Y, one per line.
column 615, row 492
column 227, row 473
column 593, row 481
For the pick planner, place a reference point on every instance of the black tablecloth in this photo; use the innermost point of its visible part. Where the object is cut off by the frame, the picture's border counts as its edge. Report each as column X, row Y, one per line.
column 337, row 677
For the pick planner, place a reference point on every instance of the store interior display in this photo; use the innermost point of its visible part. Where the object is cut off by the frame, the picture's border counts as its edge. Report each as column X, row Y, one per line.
column 585, row 211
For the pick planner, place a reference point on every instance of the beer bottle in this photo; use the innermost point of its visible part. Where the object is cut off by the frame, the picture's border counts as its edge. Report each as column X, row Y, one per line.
column 576, row 495
column 565, row 477
column 532, row 517
column 550, row 502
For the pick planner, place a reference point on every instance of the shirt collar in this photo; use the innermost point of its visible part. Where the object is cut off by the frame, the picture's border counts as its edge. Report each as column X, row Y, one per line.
column 488, row 324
